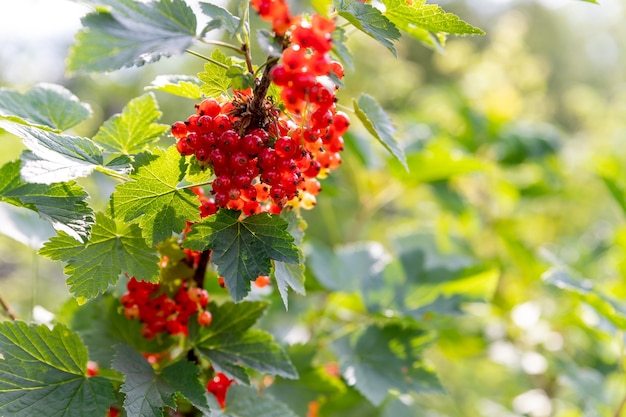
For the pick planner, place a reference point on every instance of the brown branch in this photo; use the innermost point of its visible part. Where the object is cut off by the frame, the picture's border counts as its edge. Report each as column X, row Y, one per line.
column 200, row 272
column 7, row 308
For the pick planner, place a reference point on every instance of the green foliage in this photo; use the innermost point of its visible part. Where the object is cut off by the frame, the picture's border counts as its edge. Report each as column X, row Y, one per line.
column 369, row 20
column 57, row 158
column 113, row 248
column 220, row 19
column 153, row 198
column 243, row 249
column 378, row 360
column 215, row 80
column 65, row 110
column 246, row 402
column 180, row 85
column 62, row 204
column 134, row 129
column 43, row 372
column 229, row 342
column 148, row 391
column 379, row 124
column 128, row 33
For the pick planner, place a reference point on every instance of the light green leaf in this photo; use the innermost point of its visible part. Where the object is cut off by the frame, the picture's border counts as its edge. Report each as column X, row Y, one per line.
column 220, row 19
column 416, row 17
column 369, row 20
column 43, row 373
column 152, row 196
column 610, row 308
column 134, row 129
column 247, row 402
column 62, row 204
column 379, row 124
column 53, row 157
column 148, row 391
column 243, row 249
column 130, row 33
column 378, row 360
column 46, row 106
column 112, row 249
column 214, row 78
column 179, row 85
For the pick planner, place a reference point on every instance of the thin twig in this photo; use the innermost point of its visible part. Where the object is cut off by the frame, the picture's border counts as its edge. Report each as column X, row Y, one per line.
column 240, row 51
column 246, row 52
column 206, row 58
column 7, row 308
column 618, row 413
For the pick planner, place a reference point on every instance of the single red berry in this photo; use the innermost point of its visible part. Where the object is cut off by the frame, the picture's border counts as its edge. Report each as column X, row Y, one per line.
column 205, row 318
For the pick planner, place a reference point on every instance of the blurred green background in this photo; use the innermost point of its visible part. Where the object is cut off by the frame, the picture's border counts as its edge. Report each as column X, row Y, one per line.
column 516, row 143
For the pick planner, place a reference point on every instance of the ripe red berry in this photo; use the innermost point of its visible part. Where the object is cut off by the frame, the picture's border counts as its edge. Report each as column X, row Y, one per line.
column 205, row 318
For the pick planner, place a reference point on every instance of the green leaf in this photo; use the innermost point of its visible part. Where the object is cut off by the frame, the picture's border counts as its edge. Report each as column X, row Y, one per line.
column 340, row 49
column 313, row 381
column 46, row 106
column 148, row 391
column 152, row 196
column 134, row 129
column 54, row 157
column 243, row 249
column 220, row 19
column 43, row 373
column 379, row 124
column 214, row 78
column 415, row 17
column 244, row 401
column 610, row 308
column 62, row 204
column 369, row 20
column 112, row 249
column 179, row 85
column 241, row 78
column 131, row 33
column 378, row 360
column 229, row 341
column 255, row 349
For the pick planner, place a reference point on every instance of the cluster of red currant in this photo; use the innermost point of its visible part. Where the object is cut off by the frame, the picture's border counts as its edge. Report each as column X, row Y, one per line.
column 218, row 386
column 275, row 11
column 160, row 313
column 263, row 158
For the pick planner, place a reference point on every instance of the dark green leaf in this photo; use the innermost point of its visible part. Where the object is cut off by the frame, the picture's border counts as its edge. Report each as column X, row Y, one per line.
column 131, row 33
column 44, row 106
column 340, row 49
column 134, row 129
column 243, row 249
column 43, row 373
column 379, row 124
column 148, row 391
column 62, row 204
column 152, row 196
column 112, row 249
column 54, row 157
column 608, row 307
column 369, row 20
column 220, row 19
column 382, row 359
column 214, row 78
column 247, row 402
column 255, row 349
column 179, row 85
column 229, row 341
